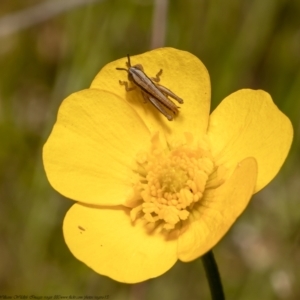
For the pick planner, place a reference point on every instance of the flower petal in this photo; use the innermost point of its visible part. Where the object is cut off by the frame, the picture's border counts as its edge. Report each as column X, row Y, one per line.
column 90, row 152
column 248, row 123
column 217, row 212
column 183, row 73
column 106, row 241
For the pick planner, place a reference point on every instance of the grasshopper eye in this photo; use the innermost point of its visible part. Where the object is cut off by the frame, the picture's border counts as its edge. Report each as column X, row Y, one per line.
column 130, row 77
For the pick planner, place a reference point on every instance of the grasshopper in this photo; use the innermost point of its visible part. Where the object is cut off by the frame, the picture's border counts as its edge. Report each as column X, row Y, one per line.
column 151, row 91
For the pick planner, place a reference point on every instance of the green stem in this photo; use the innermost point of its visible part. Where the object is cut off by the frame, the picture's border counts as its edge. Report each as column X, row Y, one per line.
column 213, row 276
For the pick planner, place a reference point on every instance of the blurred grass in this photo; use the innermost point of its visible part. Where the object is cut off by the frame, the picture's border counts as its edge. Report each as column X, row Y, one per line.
column 244, row 44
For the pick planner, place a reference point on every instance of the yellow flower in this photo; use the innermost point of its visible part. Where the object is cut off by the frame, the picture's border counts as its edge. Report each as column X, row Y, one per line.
column 151, row 191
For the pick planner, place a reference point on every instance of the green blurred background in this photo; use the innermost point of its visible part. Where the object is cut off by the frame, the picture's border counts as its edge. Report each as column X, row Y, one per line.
column 49, row 49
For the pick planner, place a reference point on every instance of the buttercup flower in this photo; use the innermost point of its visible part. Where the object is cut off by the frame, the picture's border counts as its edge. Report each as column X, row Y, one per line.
column 150, row 191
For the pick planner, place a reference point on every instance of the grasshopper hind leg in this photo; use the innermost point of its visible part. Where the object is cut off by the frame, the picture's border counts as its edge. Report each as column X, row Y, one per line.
column 146, row 97
column 157, row 105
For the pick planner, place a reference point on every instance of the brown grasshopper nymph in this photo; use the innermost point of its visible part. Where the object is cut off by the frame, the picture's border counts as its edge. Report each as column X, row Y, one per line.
column 151, row 91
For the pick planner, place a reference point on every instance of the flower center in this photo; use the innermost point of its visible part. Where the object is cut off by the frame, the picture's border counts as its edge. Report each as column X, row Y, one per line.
column 171, row 182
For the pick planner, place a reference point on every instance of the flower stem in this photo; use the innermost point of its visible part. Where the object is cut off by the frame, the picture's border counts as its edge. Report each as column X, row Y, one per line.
column 213, row 276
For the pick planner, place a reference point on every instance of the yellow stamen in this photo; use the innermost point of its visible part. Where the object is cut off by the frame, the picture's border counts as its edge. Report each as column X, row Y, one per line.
column 172, row 181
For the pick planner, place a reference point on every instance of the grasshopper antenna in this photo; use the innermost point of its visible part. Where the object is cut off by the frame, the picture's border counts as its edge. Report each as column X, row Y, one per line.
column 128, row 64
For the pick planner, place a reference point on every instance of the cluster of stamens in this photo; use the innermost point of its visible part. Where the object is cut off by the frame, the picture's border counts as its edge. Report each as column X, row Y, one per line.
column 171, row 183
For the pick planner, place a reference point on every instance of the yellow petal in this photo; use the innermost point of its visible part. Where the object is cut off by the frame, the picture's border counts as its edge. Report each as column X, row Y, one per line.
column 248, row 123
column 106, row 241
column 90, row 152
column 217, row 212
column 183, row 73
